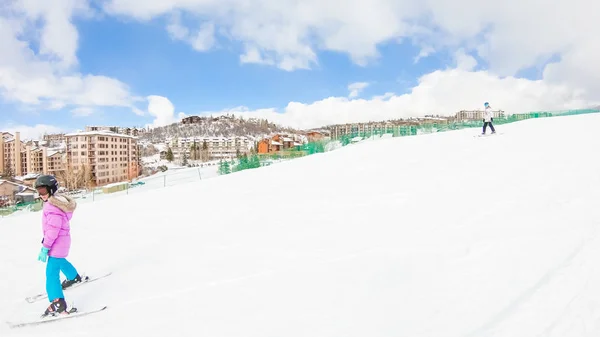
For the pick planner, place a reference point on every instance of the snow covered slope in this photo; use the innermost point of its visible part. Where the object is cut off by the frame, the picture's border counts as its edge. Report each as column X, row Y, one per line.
column 436, row 235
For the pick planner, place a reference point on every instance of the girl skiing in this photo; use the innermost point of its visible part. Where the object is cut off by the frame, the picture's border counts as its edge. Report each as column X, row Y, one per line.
column 57, row 212
column 488, row 118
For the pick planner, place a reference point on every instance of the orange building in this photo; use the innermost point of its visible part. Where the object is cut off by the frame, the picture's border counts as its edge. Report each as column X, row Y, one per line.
column 268, row 145
column 314, row 136
column 277, row 143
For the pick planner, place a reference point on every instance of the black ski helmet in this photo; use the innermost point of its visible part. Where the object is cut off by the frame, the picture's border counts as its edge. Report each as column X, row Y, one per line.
column 47, row 181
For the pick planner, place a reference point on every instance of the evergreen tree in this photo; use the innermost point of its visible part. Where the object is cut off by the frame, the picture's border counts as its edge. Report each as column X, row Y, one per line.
column 224, row 167
column 204, row 153
column 254, row 162
column 170, row 156
column 243, row 162
column 184, row 161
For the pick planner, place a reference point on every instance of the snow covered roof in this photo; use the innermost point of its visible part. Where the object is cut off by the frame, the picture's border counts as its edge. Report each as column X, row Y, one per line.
column 51, row 153
column 21, row 187
column 99, row 133
column 161, row 147
column 30, row 176
column 26, row 194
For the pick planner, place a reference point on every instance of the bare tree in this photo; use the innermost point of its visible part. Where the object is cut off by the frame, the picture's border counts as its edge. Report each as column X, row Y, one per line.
column 75, row 177
column 86, row 176
column 195, row 151
column 8, row 172
column 149, row 150
column 204, row 155
column 69, row 177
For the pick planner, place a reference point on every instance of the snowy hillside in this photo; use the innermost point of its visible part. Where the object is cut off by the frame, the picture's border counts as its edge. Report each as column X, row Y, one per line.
column 435, row 235
column 222, row 126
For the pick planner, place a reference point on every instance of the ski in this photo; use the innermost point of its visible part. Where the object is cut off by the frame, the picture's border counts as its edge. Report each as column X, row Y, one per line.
column 72, row 313
column 87, row 279
column 489, row 134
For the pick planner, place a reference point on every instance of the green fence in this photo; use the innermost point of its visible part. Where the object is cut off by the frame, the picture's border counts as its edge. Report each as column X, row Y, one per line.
column 433, row 127
column 33, row 206
column 390, row 131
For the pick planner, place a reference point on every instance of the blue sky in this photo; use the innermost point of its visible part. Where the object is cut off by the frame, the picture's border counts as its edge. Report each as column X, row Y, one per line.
column 135, row 49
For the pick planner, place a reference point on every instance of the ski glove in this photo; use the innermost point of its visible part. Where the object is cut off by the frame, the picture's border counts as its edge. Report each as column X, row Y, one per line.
column 43, row 254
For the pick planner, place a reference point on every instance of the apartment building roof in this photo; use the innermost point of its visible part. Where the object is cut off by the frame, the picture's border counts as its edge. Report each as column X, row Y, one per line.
column 99, row 133
column 208, row 138
column 51, row 153
column 29, row 176
column 10, row 140
column 21, row 186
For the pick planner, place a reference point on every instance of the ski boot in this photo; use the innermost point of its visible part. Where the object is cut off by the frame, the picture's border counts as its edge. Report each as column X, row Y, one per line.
column 78, row 279
column 57, row 307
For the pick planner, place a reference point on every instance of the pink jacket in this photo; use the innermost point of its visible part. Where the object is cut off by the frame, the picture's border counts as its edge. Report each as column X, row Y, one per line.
column 57, row 213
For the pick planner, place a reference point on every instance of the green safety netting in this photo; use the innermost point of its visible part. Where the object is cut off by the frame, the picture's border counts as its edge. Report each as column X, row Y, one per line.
column 391, row 131
column 33, row 206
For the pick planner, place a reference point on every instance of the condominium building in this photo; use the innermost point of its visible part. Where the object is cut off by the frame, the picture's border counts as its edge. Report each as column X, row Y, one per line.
column 19, row 158
column 54, row 139
column 56, row 162
column 116, row 129
column 466, row 115
column 10, row 152
column 280, row 142
column 217, row 147
column 110, row 157
column 339, row 130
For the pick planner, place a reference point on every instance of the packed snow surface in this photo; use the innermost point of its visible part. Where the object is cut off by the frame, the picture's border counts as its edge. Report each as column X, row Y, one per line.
column 433, row 235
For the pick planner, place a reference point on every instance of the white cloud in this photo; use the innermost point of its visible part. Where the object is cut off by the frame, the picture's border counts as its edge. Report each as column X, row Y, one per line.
column 202, row 40
column 464, row 61
column 356, row 88
column 31, row 132
column 163, row 111
column 47, row 78
column 506, row 35
column 440, row 93
column 285, row 32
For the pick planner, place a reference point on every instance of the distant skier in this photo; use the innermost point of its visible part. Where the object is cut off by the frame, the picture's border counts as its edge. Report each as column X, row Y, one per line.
column 57, row 212
column 488, row 118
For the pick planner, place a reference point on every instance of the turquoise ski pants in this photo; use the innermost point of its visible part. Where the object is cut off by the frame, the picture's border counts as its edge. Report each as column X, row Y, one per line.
column 53, row 268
